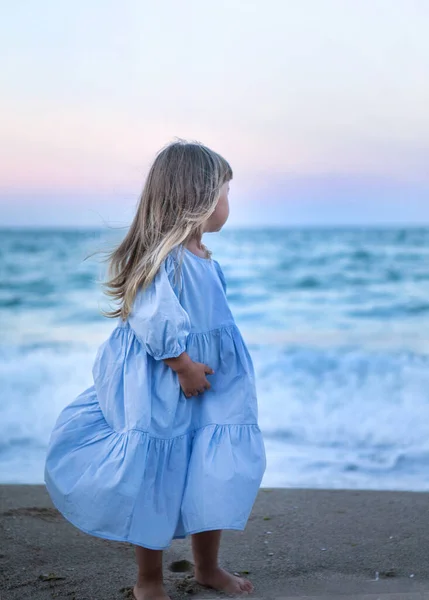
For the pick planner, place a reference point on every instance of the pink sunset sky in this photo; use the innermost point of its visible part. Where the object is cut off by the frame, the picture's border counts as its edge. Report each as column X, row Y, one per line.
column 321, row 107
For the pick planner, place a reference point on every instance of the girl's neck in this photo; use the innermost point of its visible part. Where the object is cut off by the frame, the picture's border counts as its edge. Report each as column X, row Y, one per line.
column 196, row 247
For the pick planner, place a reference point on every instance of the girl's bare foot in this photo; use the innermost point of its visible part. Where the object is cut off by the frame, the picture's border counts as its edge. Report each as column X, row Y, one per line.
column 150, row 591
column 221, row 580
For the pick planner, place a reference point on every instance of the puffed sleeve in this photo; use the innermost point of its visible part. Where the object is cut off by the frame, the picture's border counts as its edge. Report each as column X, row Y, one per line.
column 158, row 319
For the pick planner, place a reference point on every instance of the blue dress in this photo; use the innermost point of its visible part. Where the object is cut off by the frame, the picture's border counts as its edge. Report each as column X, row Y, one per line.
column 131, row 458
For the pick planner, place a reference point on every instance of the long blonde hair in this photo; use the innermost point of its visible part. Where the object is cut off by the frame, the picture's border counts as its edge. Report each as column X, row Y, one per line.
column 180, row 193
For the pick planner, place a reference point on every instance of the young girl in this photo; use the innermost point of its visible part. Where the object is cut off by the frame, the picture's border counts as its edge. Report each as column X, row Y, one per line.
column 165, row 443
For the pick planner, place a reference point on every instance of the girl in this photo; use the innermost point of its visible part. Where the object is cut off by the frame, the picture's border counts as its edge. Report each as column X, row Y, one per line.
column 165, row 443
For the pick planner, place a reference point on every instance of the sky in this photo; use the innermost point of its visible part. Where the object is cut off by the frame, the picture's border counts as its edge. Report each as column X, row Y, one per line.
column 320, row 106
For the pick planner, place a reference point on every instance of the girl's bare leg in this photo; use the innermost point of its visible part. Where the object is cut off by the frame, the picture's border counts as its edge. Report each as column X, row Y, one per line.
column 150, row 585
column 205, row 548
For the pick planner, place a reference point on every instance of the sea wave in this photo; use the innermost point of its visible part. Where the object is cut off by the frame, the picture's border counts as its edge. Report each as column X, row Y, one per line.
column 335, row 320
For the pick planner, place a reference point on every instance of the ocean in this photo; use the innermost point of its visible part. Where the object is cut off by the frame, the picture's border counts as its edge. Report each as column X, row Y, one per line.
column 336, row 321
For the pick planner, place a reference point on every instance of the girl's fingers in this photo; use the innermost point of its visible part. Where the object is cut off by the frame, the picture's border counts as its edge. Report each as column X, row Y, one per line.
column 198, row 392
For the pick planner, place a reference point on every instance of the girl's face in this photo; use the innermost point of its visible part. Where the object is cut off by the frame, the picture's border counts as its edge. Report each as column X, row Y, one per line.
column 219, row 217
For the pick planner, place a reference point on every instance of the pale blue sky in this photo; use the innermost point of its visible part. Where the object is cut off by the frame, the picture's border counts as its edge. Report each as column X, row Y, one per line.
column 319, row 105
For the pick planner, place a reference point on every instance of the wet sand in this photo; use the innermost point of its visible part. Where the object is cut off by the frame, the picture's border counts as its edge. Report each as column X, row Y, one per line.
column 298, row 543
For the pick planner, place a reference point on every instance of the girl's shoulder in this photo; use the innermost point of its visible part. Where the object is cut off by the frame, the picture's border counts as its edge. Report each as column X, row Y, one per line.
column 179, row 256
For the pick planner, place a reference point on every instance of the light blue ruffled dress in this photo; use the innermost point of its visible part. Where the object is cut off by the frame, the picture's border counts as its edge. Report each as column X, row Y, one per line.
column 131, row 458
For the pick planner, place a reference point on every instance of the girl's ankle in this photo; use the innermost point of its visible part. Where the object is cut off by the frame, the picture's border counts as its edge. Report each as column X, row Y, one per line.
column 206, row 567
column 150, row 579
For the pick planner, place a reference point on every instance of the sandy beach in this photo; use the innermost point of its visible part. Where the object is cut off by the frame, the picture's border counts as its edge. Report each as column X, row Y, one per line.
column 299, row 543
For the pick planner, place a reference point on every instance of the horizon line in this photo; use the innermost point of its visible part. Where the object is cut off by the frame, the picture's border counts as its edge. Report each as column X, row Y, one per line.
column 89, row 228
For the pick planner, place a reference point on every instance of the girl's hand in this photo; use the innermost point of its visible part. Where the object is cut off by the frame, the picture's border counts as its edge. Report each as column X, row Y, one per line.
column 192, row 375
column 193, row 378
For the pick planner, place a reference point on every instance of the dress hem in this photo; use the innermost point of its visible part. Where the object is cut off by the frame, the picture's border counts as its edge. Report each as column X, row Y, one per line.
column 130, row 541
